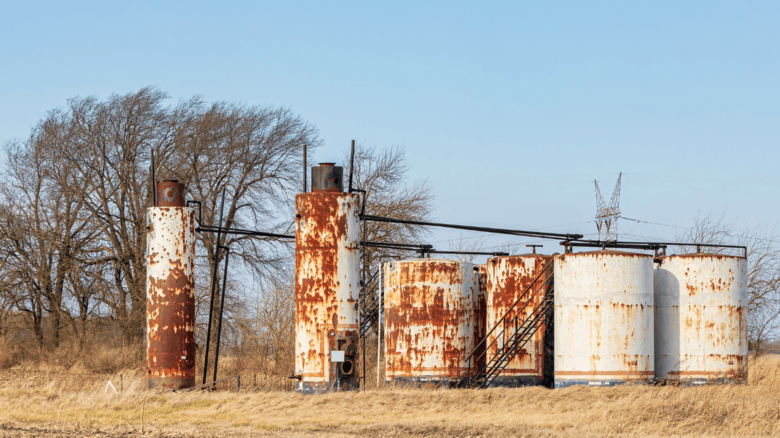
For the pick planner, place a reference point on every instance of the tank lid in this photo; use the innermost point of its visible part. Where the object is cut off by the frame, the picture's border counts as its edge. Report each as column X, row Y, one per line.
column 425, row 259
column 529, row 255
column 607, row 252
column 702, row 255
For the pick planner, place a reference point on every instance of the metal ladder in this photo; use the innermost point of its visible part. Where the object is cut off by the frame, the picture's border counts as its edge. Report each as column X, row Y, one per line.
column 369, row 302
column 514, row 332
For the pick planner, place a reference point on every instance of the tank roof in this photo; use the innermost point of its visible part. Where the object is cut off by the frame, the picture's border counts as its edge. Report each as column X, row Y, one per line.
column 701, row 255
column 521, row 255
column 425, row 259
column 607, row 252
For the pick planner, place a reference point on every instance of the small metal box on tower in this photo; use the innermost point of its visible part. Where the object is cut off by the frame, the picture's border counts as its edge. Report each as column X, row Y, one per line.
column 327, row 177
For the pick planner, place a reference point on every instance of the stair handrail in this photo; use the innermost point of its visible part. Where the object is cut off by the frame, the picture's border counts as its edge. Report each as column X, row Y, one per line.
column 506, row 314
column 535, row 320
column 524, row 328
column 520, row 332
column 363, row 287
column 371, row 308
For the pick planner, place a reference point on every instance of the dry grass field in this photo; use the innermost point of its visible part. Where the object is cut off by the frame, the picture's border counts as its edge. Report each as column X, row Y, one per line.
column 36, row 402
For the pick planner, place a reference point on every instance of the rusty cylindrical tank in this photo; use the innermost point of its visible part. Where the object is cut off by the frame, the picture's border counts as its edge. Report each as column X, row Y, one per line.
column 603, row 318
column 326, row 291
column 429, row 321
column 170, row 293
column 507, row 280
column 701, row 320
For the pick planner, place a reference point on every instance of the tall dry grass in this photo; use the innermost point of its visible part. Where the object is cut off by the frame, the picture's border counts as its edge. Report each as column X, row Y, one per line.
column 41, row 402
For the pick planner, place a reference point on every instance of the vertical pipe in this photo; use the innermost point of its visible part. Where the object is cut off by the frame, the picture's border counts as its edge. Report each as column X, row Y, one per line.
column 362, row 338
column 221, row 312
column 351, row 166
column 379, row 319
column 305, row 170
column 213, row 287
column 365, row 258
column 154, row 184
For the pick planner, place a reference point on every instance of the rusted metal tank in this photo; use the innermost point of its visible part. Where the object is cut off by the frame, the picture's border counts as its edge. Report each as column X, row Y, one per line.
column 170, row 292
column 701, row 320
column 429, row 321
column 326, row 291
column 603, row 318
column 507, row 279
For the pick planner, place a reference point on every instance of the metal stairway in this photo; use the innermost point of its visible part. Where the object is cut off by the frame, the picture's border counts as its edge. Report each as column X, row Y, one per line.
column 369, row 305
column 511, row 334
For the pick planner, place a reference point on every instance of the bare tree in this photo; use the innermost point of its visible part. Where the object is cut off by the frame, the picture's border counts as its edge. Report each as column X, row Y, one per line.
column 45, row 232
column 382, row 173
column 73, row 216
column 763, row 254
column 106, row 146
column 253, row 155
column 466, row 244
column 265, row 328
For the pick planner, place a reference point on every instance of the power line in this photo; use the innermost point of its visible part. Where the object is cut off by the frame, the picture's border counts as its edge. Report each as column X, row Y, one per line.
column 654, row 223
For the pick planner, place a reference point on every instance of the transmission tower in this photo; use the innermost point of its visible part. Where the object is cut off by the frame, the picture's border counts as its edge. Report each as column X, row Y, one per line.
column 607, row 216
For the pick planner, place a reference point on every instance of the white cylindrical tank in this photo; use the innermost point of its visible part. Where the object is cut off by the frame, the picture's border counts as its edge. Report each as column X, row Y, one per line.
column 701, row 320
column 429, row 320
column 508, row 278
column 603, row 318
column 326, row 291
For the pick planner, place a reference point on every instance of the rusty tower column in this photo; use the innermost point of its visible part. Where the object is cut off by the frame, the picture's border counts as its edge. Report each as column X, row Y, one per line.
column 326, row 284
column 170, row 290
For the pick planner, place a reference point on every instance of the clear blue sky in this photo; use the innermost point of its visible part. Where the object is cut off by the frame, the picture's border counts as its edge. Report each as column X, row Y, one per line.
column 510, row 110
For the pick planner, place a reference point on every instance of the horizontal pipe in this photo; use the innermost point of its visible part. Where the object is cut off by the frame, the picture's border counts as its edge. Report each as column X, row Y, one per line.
column 537, row 234
column 465, row 252
column 213, row 229
column 642, row 245
column 389, row 245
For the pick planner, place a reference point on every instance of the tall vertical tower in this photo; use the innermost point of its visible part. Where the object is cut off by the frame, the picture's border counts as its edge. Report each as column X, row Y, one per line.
column 607, row 216
column 327, row 284
column 170, row 290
